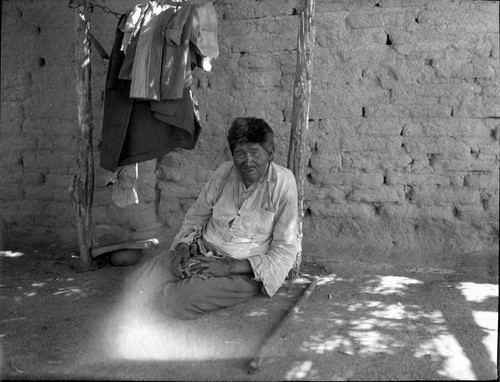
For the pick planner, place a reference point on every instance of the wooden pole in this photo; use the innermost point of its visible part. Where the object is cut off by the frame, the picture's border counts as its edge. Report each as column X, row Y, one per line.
column 82, row 188
column 300, row 117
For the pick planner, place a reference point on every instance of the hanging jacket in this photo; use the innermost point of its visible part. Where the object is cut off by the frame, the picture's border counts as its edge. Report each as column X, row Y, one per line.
column 159, row 56
column 130, row 132
column 175, row 70
column 146, row 69
column 130, row 27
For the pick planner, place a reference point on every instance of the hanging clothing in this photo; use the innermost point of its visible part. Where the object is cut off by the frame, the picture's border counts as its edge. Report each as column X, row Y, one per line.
column 131, row 25
column 147, row 64
column 124, row 182
column 175, row 71
column 139, row 130
column 148, row 137
column 159, row 58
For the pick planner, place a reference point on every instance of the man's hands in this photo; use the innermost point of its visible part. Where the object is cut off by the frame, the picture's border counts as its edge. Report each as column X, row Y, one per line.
column 181, row 255
column 210, row 266
column 215, row 267
column 183, row 251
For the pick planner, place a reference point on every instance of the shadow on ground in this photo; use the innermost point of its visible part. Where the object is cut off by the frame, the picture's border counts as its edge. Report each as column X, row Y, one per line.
column 360, row 323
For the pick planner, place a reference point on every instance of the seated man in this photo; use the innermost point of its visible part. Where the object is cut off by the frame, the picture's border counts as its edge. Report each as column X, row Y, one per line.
column 238, row 238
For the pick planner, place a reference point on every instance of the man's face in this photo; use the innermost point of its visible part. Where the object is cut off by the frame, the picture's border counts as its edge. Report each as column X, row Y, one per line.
column 251, row 160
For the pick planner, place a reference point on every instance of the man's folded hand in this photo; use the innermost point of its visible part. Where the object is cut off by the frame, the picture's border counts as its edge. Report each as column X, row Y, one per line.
column 181, row 256
column 183, row 251
column 211, row 266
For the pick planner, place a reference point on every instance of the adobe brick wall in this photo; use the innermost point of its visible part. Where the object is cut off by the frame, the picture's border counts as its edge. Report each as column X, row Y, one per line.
column 403, row 151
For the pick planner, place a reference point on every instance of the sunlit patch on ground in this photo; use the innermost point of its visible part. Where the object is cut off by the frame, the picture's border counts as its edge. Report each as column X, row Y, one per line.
column 321, row 344
column 374, row 331
column 329, row 279
column 300, row 370
column 446, row 349
column 10, row 254
column 13, row 319
column 488, row 321
column 135, row 337
column 132, row 332
column 52, row 286
column 301, row 280
column 69, row 291
column 323, row 280
column 390, row 285
column 474, row 292
column 257, row 313
column 361, row 327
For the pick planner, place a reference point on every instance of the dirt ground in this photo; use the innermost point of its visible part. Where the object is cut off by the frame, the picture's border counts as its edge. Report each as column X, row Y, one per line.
column 362, row 322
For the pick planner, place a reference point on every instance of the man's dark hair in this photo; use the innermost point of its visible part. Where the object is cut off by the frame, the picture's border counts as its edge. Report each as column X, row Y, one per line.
column 250, row 130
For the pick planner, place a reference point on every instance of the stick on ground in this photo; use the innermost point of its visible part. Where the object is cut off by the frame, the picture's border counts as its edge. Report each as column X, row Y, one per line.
column 259, row 357
column 137, row 244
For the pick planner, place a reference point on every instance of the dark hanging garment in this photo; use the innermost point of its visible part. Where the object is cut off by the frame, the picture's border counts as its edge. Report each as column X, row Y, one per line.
column 139, row 130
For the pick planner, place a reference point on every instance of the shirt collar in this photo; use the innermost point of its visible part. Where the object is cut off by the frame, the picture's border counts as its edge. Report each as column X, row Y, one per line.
column 268, row 174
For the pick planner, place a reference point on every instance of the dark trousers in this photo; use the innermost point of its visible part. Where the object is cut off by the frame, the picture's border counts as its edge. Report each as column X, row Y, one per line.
column 155, row 285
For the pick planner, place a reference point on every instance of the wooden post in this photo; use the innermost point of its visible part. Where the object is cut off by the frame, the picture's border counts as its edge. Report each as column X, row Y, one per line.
column 82, row 188
column 300, row 117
